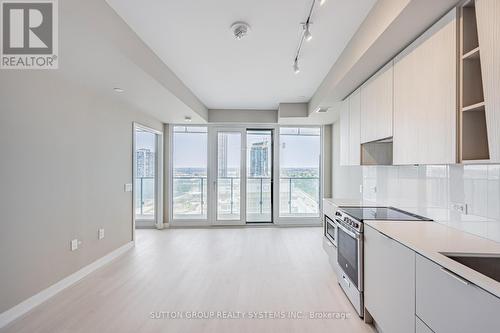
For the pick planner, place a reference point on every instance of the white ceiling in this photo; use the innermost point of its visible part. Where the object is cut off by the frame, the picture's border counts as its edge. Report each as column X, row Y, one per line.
column 193, row 38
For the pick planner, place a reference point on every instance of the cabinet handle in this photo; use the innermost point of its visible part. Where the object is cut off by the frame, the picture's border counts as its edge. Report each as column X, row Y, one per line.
column 456, row 277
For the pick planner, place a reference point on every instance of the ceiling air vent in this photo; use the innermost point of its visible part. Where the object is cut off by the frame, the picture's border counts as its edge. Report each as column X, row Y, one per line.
column 322, row 110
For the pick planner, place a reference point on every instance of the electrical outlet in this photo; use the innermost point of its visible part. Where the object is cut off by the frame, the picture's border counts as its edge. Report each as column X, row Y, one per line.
column 360, row 188
column 74, row 244
column 100, row 233
column 459, row 207
column 127, row 188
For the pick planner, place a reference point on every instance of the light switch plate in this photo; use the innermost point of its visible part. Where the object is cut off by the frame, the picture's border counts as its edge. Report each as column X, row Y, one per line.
column 127, row 187
column 74, row 244
column 459, row 207
column 100, row 233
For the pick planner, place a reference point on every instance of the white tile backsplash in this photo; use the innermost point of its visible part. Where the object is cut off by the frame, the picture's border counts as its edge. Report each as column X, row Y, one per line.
column 430, row 190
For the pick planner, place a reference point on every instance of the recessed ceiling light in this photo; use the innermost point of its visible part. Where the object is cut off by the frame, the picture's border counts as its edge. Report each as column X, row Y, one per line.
column 322, row 2
column 187, row 119
column 118, row 90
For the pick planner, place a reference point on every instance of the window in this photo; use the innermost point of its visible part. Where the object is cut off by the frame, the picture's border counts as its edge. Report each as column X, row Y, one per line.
column 228, row 175
column 189, row 183
column 300, row 171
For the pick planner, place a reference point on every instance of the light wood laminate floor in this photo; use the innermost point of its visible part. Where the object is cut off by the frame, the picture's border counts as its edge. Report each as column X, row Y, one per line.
column 219, row 269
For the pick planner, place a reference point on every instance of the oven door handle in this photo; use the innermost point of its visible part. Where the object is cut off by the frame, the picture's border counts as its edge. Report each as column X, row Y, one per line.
column 349, row 232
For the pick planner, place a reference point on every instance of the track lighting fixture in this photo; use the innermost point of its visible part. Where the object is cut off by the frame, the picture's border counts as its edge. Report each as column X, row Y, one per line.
column 306, row 35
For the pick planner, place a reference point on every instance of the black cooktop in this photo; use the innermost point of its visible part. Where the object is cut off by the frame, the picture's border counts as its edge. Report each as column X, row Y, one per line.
column 381, row 213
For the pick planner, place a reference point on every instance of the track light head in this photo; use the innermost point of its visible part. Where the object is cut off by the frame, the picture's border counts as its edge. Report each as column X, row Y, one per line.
column 307, row 32
column 296, row 68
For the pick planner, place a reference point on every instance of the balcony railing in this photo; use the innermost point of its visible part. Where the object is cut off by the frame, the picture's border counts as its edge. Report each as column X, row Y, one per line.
column 145, row 197
column 299, row 197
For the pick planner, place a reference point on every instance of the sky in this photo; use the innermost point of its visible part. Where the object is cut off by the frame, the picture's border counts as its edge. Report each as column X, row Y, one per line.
column 145, row 140
column 297, row 151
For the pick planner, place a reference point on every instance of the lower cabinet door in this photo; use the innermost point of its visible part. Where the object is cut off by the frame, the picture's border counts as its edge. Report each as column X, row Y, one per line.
column 389, row 283
column 449, row 304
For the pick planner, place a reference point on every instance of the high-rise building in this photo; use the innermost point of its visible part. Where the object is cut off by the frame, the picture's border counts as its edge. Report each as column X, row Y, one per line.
column 145, row 160
column 259, row 163
column 222, row 156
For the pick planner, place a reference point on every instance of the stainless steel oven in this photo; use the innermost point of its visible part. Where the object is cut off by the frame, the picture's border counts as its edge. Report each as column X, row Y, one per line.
column 331, row 230
column 350, row 259
column 350, row 254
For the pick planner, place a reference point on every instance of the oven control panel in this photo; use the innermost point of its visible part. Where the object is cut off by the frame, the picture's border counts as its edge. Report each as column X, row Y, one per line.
column 348, row 221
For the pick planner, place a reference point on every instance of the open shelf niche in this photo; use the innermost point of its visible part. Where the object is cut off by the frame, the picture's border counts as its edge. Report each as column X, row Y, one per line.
column 473, row 131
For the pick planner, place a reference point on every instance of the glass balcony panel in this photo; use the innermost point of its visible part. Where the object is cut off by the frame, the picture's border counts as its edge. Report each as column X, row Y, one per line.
column 145, row 198
column 189, row 198
column 299, row 197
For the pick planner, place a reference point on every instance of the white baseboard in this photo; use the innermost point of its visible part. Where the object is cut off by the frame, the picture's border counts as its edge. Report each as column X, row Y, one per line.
column 37, row 299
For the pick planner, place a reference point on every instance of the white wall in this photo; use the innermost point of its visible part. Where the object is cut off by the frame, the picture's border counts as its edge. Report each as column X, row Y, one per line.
column 242, row 116
column 66, row 153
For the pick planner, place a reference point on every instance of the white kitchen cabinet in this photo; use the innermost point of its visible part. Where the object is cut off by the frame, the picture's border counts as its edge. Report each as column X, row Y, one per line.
column 389, row 282
column 421, row 327
column 425, row 97
column 344, row 133
column 350, row 148
column 377, row 105
column 449, row 304
column 354, row 128
column 488, row 28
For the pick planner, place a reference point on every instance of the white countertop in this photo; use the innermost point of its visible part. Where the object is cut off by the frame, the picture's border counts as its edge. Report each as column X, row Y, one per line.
column 430, row 239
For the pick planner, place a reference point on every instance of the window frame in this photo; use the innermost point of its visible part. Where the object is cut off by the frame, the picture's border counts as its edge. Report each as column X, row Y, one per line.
column 186, row 222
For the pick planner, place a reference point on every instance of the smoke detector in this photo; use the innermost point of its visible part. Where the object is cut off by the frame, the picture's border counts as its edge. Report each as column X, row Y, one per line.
column 240, row 30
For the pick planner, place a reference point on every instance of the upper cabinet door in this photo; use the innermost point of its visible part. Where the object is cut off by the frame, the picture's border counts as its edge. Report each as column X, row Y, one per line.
column 488, row 28
column 344, row 133
column 377, row 105
column 354, row 128
column 425, row 97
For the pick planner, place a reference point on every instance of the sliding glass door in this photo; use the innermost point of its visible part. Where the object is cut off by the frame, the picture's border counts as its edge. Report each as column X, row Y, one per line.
column 259, row 175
